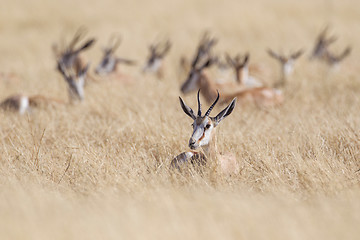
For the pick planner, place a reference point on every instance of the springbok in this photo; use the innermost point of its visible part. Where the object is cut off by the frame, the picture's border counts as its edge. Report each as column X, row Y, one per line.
column 322, row 44
column 21, row 103
column 196, row 73
column 154, row 63
column 260, row 96
column 240, row 66
column 321, row 50
column 75, row 81
column 109, row 62
column 333, row 60
column 204, row 136
column 287, row 63
column 69, row 54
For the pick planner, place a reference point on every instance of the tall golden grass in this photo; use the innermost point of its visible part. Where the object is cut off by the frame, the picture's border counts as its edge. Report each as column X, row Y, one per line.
column 100, row 169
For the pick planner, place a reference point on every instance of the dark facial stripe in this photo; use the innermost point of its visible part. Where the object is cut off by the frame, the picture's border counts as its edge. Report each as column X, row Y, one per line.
column 201, row 138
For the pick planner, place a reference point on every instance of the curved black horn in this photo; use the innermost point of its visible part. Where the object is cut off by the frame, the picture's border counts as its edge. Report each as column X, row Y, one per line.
column 213, row 105
column 199, row 104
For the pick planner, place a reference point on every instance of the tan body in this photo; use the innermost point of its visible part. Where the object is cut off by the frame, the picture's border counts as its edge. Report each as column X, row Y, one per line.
column 226, row 162
column 22, row 104
column 109, row 65
column 155, row 60
column 260, row 96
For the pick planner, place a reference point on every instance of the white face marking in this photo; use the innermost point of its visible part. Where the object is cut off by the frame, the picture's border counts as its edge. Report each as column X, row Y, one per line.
column 154, row 66
column 202, row 133
column 24, row 104
column 76, row 90
column 252, row 82
column 288, row 67
column 80, row 87
column 106, row 66
column 244, row 73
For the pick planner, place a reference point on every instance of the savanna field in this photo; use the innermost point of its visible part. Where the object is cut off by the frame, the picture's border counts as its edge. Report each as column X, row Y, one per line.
column 99, row 169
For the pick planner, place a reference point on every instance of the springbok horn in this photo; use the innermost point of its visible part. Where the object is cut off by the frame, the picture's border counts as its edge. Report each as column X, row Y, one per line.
column 213, row 105
column 199, row 104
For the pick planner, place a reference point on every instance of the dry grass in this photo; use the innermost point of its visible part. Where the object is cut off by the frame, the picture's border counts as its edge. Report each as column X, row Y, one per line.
column 99, row 170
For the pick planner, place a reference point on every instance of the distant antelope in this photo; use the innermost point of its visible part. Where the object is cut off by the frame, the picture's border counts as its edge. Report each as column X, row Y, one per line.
column 75, row 81
column 154, row 63
column 287, row 64
column 240, row 66
column 109, row 62
column 203, row 50
column 69, row 55
column 204, row 136
column 322, row 44
column 21, row 103
column 333, row 60
column 321, row 50
column 260, row 96
column 196, row 74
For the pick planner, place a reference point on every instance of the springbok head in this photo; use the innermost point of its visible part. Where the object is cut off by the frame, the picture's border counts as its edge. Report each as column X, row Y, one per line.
column 69, row 54
column 240, row 65
column 193, row 80
column 286, row 61
column 18, row 103
column 198, row 64
column 322, row 43
column 204, row 126
column 109, row 61
column 157, row 53
column 75, row 81
column 333, row 60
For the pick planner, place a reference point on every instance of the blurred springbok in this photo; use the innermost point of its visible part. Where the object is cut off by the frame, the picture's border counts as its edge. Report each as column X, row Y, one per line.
column 18, row 103
column 109, row 62
column 21, row 103
column 195, row 74
column 75, row 81
column 260, row 96
column 204, row 136
column 321, row 50
column 69, row 54
column 154, row 63
column 240, row 65
column 333, row 60
column 203, row 50
column 322, row 44
column 287, row 63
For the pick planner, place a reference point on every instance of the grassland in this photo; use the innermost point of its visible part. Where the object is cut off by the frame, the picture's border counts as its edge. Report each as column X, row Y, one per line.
column 99, row 169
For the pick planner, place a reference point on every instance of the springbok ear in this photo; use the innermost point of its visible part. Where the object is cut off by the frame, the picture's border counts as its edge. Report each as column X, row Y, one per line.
column 224, row 113
column 246, row 59
column 187, row 109
column 297, row 54
column 84, row 71
column 88, row 44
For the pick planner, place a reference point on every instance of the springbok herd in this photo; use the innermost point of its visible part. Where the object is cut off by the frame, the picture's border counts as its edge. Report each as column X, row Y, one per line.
column 243, row 87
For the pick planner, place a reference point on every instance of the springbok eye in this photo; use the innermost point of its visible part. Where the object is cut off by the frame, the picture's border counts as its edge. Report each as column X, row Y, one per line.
column 208, row 126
